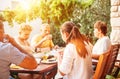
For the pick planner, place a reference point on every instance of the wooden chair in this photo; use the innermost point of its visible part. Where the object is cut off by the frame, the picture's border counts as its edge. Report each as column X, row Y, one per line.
column 117, row 65
column 111, row 59
column 106, row 63
column 100, row 69
column 117, row 62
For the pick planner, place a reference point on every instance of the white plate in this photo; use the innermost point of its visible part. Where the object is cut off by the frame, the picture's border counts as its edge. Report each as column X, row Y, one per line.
column 48, row 62
column 38, row 60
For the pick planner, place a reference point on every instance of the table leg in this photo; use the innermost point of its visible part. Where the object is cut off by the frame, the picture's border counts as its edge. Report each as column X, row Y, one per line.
column 51, row 74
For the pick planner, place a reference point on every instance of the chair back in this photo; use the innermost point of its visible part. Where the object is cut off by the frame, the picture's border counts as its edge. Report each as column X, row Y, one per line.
column 99, row 72
column 111, row 59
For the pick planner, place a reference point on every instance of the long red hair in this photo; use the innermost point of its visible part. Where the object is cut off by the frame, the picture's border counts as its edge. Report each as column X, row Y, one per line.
column 75, row 37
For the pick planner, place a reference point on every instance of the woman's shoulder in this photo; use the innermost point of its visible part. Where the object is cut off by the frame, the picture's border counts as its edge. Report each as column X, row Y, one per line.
column 70, row 45
column 70, row 49
column 106, row 38
column 105, row 41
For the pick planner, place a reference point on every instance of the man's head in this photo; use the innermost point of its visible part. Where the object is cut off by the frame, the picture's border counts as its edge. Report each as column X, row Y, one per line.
column 45, row 29
column 100, row 27
column 24, row 31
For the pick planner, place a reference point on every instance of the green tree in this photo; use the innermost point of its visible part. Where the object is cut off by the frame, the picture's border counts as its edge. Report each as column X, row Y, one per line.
column 1, row 16
column 51, row 11
column 100, row 10
column 54, row 12
column 8, row 15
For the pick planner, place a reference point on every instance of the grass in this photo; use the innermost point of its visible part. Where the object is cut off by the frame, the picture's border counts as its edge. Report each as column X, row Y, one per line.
column 111, row 76
column 118, row 75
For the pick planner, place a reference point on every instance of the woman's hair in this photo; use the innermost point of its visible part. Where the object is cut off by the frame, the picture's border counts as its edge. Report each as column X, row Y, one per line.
column 25, row 27
column 101, row 26
column 75, row 37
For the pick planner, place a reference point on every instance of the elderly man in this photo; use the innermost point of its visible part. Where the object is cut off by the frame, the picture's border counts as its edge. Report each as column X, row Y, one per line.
column 11, row 52
column 43, row 42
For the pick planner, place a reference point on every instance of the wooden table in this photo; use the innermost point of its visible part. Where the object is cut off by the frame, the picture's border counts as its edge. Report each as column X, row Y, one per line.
column 42, row 69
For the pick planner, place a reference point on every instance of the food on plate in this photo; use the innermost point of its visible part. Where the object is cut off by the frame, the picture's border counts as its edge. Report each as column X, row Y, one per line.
column 15, row 66
column 49, row 58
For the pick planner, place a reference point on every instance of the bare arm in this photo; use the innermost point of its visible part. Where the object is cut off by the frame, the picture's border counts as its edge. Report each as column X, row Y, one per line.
column 91, row 45
column 14, row 43
column 39, row 43
column 94, row 56
column 27, row 47
column 29, row 61
column 44, row 38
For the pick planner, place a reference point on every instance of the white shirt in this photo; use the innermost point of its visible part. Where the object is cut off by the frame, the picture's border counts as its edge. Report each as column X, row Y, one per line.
column 74, row 66
column 101, row 46
column 8, row 54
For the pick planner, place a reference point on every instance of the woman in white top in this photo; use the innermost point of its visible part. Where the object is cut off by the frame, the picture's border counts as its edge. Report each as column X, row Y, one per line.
column 103, row 43
column 76, row 62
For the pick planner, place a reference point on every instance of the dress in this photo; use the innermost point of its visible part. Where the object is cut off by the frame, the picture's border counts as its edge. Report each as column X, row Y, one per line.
column 74, row 66
column 8, row 54
column 102, row 45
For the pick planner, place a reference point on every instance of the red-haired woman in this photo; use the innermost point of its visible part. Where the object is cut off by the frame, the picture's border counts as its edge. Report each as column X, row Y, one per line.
column 76, row 62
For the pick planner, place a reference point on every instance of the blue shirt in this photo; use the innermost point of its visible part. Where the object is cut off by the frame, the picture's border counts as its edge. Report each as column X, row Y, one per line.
column 8, row 54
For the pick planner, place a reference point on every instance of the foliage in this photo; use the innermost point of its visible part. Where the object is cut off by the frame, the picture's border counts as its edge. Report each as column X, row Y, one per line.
column 100, row 10
column 57, row 36
column 109, row 77
column 86, row 3
column 22, row 15
column 1, row 16
column 8, row 16
column 55, row 12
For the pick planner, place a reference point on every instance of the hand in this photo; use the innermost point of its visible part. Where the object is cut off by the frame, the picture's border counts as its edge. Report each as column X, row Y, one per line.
column 56, row 47
column 11, row 39
column 48, row 37
column 6, row 38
